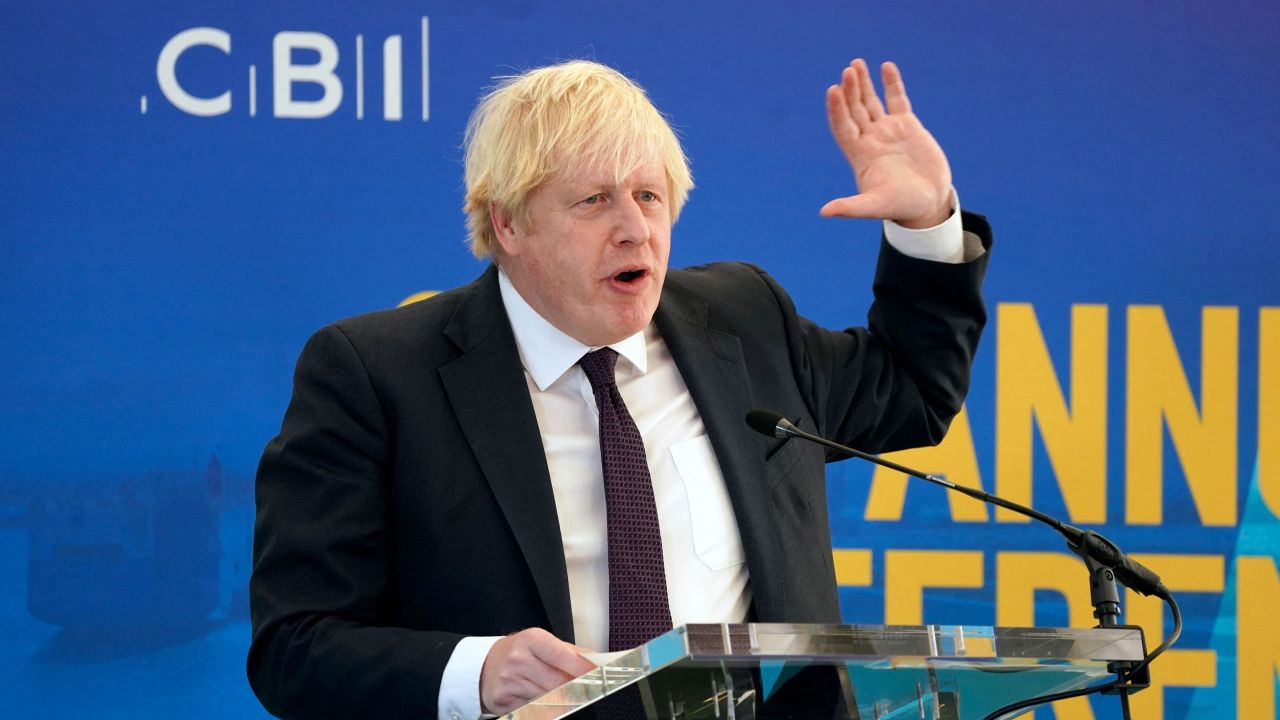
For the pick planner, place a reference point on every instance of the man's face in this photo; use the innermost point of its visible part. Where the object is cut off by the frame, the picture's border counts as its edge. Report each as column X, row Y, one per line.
column 592, row 257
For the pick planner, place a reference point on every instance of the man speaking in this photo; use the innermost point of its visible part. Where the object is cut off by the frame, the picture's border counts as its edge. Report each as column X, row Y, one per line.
column 469, row 491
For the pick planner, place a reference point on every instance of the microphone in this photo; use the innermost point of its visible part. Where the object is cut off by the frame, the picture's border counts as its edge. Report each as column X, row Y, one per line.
column 1085, row 543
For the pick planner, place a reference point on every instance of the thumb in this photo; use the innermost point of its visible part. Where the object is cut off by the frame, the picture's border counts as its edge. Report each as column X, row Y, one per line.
column 853, row 206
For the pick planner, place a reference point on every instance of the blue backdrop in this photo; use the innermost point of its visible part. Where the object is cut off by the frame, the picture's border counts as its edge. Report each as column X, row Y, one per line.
column 186, row 197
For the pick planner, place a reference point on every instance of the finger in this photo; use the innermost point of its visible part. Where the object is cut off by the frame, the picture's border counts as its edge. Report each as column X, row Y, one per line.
column 895, row 91
column 851, row 89
column 854, row 206
column 559, row 655
column 542, row 677
column 522, row 690
column 867, row 91
column 843, row 129
column 527, row 673
column 512, row 695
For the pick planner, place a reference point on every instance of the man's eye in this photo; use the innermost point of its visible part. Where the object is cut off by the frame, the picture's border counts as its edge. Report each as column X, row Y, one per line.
column 594, row 199
column 647, row 196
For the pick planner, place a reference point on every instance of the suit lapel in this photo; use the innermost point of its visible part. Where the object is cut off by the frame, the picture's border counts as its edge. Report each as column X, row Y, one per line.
column 487, row 391
column 488, row 395
column 713, row 368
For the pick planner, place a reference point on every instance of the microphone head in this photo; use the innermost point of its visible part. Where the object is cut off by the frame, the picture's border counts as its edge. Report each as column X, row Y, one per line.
column 766, row 423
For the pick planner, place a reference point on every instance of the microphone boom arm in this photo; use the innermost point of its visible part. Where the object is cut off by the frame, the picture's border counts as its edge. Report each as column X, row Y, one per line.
column 1095, row 549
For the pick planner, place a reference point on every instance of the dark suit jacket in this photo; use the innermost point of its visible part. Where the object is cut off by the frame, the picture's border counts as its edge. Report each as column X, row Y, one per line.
column 406, row 502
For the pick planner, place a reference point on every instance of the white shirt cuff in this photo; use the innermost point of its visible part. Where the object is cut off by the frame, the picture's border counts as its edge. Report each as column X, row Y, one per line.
column 940, row 243
column 460, row 684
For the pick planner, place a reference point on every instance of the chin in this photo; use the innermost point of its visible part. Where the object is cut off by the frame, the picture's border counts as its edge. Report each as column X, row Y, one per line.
column 617, row 321
column 624, row 329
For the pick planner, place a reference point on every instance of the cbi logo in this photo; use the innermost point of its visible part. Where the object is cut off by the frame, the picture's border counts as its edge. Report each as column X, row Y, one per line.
column 289, row 75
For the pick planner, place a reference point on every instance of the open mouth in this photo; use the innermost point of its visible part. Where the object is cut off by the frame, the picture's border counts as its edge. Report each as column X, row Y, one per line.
column 629, row 276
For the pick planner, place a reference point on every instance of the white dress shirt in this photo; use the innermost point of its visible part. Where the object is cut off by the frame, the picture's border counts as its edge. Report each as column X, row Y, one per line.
column 707, row 578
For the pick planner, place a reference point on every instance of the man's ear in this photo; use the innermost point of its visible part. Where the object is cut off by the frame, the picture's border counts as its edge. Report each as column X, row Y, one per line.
column 504, row 229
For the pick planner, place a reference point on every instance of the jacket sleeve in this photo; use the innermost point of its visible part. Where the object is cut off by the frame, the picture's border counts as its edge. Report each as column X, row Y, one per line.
column 898, row 382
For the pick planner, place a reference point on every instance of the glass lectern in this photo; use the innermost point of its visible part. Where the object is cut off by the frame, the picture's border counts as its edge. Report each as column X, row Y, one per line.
column 814, row 672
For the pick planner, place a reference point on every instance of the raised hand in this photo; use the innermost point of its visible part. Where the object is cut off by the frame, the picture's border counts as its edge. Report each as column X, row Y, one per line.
column 901, row 172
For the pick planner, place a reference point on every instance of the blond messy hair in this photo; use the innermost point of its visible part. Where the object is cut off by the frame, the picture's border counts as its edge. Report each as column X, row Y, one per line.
column 553, row 119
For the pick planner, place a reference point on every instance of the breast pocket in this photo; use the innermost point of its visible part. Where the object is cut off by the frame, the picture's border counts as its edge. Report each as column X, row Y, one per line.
column 782, row 459
column 716, row 539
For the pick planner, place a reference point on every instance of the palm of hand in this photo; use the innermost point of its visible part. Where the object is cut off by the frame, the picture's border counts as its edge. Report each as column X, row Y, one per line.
column 901, row 172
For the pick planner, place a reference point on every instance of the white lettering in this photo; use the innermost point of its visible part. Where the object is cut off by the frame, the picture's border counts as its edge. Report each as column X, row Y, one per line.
column 359, row 77
column 285, row 74
column 392, row 105
column 167, row 76
column 317, row 64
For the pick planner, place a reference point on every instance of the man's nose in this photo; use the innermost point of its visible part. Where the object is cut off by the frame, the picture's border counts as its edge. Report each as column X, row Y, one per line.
column 630, row 224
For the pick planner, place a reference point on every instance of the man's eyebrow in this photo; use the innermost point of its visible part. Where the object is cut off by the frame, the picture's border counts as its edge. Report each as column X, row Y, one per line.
column 589, row 187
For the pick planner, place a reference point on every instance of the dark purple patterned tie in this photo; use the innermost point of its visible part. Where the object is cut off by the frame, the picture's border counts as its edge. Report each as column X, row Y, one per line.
column 638, row 609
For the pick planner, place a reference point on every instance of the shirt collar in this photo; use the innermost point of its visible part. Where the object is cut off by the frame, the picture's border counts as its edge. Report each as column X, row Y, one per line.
column 547, row 352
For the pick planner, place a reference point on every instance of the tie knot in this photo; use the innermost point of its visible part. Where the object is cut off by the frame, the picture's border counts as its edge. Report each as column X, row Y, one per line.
column 598, row 365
